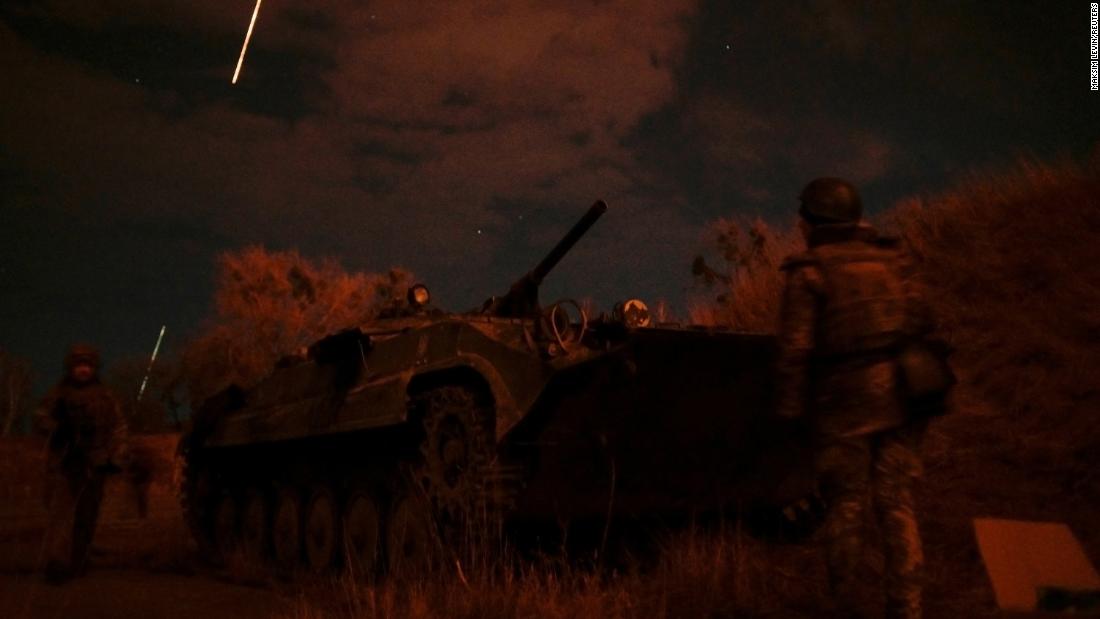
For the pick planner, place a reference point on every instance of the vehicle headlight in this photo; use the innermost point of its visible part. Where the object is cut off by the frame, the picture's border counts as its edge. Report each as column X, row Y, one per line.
column 419, row 295
column 632, row 313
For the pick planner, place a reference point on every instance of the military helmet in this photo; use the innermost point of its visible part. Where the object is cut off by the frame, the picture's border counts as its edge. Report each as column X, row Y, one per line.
column 82, row 354
column 830, row 200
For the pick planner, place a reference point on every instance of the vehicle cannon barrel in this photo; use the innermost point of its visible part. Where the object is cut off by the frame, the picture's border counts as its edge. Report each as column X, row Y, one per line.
column 568, row 241
column 523, row 297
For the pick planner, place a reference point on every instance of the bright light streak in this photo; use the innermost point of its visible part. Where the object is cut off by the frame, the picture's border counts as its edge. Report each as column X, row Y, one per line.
column 152, row 360
column 247, row 36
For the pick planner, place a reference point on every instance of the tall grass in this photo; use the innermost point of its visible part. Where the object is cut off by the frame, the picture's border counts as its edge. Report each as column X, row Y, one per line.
column 698, row 574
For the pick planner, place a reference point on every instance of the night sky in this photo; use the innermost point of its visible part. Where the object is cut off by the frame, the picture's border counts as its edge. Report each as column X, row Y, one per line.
column 460, row 139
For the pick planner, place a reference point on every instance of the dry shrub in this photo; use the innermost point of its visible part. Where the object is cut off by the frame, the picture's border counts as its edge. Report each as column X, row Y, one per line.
column 270, row 304
column 745, row 295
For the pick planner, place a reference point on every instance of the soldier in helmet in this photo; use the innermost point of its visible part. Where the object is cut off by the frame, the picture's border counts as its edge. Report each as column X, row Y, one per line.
column 848, row 304
column 87, row 439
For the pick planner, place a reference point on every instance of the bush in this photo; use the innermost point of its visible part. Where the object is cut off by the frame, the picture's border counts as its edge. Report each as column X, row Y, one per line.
column 270, row 304
column 751, row 284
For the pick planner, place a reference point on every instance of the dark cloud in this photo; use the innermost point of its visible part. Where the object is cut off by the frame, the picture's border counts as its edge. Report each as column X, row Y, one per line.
column 900, row 96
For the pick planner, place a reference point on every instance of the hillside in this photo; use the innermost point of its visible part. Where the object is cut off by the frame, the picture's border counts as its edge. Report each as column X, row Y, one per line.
column 1012, row 267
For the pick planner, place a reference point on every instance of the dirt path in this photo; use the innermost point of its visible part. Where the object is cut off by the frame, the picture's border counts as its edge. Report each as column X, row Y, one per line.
column 112, row 593
column 138, row 569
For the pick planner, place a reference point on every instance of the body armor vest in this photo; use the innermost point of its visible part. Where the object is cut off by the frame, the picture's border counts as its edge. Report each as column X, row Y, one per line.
column 863, row 310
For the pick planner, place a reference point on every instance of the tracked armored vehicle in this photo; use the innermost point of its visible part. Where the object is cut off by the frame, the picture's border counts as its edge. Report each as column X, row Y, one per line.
column 368, row 449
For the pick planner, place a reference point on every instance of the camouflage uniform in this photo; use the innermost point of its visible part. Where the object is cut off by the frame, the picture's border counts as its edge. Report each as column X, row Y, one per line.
column 87, row 440
column 848, row 300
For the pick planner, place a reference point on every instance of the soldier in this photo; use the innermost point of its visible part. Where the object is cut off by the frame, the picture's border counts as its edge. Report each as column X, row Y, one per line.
column 86, row 440
column 848, row 304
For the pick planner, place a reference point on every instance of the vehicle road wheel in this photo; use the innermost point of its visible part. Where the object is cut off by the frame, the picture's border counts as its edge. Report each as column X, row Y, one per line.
column 254, row 527
column 286, row 530
column 362, row 529
column 225, row 527
column 456, row 451
column 410, row 542
column 321, row 529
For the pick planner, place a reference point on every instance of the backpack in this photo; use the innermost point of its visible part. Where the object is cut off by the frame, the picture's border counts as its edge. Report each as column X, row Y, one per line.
column 925, row 378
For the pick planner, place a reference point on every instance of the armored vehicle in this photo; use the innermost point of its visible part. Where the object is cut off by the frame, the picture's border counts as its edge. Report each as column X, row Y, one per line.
column 370, row 447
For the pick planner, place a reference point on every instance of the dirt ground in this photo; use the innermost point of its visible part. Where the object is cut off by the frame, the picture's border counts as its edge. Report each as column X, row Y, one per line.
column 118, row 593
column 139, row 567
